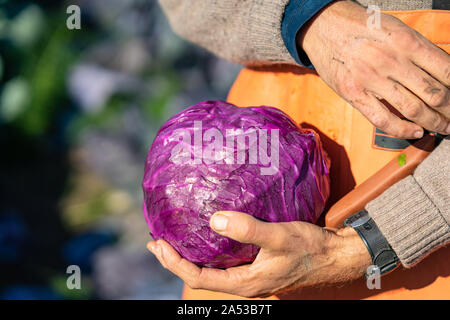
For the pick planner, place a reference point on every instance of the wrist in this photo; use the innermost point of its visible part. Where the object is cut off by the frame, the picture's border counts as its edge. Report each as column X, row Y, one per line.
column 327, row 24
column 351, row 254
column 341, row 257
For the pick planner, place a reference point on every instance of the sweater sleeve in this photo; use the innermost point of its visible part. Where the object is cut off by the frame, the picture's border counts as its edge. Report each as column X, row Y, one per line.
column 245, row 32
column 296, row 15
column 414, row 214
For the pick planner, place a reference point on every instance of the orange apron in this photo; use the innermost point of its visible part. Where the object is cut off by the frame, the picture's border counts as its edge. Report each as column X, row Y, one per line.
column 356, row 150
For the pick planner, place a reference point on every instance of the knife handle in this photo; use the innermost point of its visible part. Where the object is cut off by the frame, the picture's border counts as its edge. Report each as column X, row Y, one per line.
column 391, row 173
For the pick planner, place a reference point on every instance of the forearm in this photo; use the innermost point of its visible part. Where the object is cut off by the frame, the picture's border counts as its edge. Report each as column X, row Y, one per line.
column 414, row 214
column 245, row 32
column 350, row 258
column 254, row 32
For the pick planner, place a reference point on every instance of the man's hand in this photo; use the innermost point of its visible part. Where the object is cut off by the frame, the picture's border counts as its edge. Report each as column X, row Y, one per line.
column 292, row 255
column 393, row 63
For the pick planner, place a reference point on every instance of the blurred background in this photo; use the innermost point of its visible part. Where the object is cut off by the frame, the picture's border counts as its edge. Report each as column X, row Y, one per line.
column 78, row 111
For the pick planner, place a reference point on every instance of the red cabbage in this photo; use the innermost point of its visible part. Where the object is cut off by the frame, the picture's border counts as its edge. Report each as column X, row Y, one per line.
column 186, row 179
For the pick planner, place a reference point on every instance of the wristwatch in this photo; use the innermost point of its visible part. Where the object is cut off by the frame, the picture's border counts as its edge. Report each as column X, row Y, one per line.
column 383, row 256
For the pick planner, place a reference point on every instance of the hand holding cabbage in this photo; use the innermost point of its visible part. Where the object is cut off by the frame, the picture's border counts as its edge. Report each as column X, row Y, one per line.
column 293, row 255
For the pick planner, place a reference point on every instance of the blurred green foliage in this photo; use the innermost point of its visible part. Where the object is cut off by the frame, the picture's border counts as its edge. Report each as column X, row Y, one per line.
column 37, row 54
column 72, row 166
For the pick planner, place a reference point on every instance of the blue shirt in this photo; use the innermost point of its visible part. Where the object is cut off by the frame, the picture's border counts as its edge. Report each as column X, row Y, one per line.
column 297, row 13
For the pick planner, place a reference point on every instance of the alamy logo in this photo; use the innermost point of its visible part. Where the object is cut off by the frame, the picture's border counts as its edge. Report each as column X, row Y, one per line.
column 373, row 276
column 74, row 280
column 74, row 20
column 374, row 20
column 213, row 146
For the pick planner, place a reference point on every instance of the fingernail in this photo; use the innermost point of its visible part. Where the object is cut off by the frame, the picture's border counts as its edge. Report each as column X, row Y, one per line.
column 151, row 247
column 219, row 222
column 418, row 134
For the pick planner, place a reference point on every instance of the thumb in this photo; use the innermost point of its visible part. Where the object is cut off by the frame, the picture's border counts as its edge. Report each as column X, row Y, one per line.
column 244, row 228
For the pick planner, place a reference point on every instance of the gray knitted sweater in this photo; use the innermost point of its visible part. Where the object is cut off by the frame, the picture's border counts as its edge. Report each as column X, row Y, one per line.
column 414, row 214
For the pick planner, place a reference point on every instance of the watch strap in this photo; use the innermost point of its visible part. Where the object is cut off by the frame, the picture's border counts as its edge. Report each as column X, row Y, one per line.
column 382, row 254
